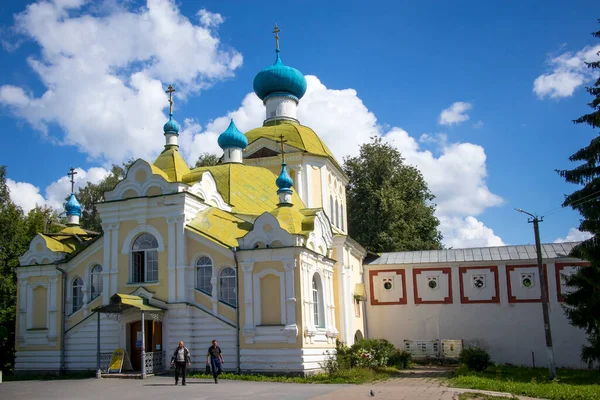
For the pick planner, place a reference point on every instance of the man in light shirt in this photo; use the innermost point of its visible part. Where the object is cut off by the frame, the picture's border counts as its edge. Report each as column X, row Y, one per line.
column 181, row 357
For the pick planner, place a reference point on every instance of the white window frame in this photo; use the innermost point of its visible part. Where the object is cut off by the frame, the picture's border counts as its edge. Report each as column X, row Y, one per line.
column 208, row 289
column 145, row 262
column 318, row 309
column 76, row 300
column 96, row 275
column 233, row 288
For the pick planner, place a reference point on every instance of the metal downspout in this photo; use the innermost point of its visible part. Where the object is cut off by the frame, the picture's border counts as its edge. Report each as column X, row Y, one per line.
column 237, row 308
column 364, row 305
column 63, row 368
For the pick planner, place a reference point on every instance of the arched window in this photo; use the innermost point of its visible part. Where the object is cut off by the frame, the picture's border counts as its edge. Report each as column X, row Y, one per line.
column 337, row 214
column 77, row 299
column 204, row 268
column 96, row 281
column 144, row 259
column 227, row 292
column 318, row 306
column 342, row 217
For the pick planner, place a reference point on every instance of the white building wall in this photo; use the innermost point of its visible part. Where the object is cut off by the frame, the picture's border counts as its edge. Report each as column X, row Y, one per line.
column 81, row 342
column 509, row 331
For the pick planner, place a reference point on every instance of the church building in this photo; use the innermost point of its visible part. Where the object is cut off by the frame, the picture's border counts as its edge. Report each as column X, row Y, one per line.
column 255, row 252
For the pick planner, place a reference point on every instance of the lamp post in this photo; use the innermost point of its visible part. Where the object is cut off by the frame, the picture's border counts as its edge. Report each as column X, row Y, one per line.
column 544, row 289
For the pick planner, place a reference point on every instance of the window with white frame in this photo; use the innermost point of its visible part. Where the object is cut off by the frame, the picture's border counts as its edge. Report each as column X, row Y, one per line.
column 144, row 259
column 318, row 306
column 77, row 294
column 331, row 213
column 337, row 214
column 95, row 281
column 204, row 268
column 342, row 217
column 227, row 291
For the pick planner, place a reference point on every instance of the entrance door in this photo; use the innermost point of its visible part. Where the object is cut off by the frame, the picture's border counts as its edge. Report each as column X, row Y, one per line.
column 153, row 333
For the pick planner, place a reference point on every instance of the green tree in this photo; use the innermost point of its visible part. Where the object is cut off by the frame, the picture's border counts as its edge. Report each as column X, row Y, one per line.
column 13, row 243
column 582, row 305
column 93, row 193
column 389, row 204
column 207, row 160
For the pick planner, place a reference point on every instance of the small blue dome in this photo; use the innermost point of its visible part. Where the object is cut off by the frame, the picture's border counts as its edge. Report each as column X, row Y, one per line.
column 284, row 182
column 171, row 126
column 232, row 138
column 279, row 79
column 72, row 206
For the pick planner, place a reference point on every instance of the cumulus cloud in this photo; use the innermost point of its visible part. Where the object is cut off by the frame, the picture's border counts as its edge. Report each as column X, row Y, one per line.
column 467, row 232
column 455, row 114
column 105, row 73
column 27, row 196
column 566, row 73
column 574, row 235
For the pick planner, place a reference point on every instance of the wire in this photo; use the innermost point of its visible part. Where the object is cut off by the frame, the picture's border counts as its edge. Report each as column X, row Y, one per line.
column 576, row 203
column 553, row 210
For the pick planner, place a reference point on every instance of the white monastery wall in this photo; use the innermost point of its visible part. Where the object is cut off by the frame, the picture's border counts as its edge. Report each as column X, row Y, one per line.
column 496, row 307
column 81, row 342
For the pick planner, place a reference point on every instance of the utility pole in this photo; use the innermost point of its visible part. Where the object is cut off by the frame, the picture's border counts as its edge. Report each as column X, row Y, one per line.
column 544, row 292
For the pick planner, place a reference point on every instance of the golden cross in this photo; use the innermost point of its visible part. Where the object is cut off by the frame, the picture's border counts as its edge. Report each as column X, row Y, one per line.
column 72, row 174
column 276, row 32
column 170, row 90
column 282, row 141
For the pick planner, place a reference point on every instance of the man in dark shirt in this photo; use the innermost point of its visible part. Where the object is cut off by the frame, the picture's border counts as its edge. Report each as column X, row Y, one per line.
column 215, row 358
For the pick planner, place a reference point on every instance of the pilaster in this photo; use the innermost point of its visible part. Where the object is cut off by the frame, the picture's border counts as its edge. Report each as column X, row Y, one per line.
column 248, row 330
column 291, row 328
column 171, row 267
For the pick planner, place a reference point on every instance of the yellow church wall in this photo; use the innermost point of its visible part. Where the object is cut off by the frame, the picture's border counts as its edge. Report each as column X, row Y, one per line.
column 160, row 289
column 40, row 300
column 202, row 299
column 226, row 311
column 270, row 304
column 316, row 186
column 196, row 249
column 35, row 279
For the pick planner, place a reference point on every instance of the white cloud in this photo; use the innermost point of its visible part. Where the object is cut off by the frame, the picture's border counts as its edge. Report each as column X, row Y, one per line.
column 566, row 73
column 455, row 114
column 467, row 232
column 105, row 73
column 27, row 196
column 574, row 235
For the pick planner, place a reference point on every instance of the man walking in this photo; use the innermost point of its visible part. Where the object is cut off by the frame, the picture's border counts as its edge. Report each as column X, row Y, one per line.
column 215, row 358
column 181, row 357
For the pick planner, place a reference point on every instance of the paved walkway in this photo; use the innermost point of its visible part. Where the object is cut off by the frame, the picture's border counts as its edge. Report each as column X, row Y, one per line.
column 417, row 384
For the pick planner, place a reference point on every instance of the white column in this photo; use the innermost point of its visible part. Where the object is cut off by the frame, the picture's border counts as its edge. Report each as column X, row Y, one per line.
column 324, row 196
column 215, row 295
column 23, row 307
column 308, row 186
column 85, row 291
column 181, row 259
column 114, row 264
column 332, row 303
column 299, row 184
column 247, row 268
column 349, row 308
column 52, row 302
column 106, row 264
column 172, row 296
column 290, row 297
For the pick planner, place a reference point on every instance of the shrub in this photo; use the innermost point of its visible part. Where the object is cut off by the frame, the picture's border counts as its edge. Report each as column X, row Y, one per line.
column 400, row 359
column 371, row 352
column 475, row 358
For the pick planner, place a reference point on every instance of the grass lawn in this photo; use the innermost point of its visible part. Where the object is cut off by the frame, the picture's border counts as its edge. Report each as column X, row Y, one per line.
column 353, row 376
column 532, row 382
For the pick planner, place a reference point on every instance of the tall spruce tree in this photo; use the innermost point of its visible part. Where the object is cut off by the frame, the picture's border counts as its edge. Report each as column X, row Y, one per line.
column 582, row 305
column 389, row 204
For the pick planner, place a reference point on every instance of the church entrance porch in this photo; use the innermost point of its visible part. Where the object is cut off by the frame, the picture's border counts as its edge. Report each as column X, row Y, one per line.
column 152, row 340
column 143, row 350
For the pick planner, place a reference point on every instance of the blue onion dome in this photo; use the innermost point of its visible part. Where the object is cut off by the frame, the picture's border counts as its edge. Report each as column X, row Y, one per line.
column 284, row 181
column 279, row 79
column 232, row 138
column 72, row 206
column 171, row 126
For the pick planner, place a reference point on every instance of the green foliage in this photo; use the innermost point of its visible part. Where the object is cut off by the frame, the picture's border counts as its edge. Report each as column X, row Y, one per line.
column 400, row 359
column 347, row 376
column 367, row 353
column 533, row 382
column 389, row 204
column 93, row 193
column 207, row 160
column 582, row 304
column 475, row 359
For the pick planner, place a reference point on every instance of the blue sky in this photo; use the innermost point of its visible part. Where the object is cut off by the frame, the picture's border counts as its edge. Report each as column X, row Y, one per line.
column 80, row 85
